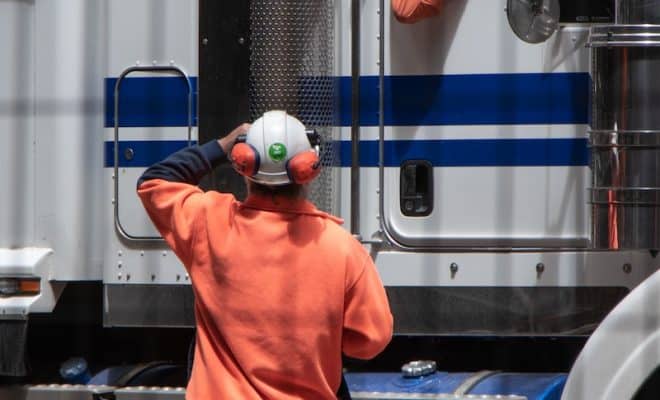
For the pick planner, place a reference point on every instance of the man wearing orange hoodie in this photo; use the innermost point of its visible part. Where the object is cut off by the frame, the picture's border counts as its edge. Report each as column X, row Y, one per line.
column 281, row 290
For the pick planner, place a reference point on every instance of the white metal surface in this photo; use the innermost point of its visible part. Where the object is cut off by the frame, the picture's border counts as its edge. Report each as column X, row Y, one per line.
column 547, row 203
column 17, row 68
column 144, row 32
column 50, row 114
column 623, row 351
column 152, row 30
column 70, row 53
column 473, row 37
column 429, row 396
column 560, row 269
column 131, row 213
column 473, row 203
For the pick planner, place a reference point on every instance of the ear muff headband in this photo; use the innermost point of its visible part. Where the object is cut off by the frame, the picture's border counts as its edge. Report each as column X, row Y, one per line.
column 303, row 167
column 245, row 159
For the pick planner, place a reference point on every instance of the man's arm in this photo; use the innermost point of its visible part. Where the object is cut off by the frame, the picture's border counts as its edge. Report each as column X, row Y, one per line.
column 368, row 321
column 191, row 164
column 170, row 195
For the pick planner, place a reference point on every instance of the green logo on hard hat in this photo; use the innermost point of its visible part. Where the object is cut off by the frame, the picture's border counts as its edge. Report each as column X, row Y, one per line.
column 277, row 152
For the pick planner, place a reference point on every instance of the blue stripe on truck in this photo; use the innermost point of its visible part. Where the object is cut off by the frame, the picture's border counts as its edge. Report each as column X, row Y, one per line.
column 410, row 100
column 150, row 101
column 440, row 153
column 141, row 153
column 487, row 99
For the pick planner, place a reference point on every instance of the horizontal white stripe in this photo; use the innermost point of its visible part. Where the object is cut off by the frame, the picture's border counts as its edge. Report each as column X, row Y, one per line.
column 471, row 132
column 150, row 133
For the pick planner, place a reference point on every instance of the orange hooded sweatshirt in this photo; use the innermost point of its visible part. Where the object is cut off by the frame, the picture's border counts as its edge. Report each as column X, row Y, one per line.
column 281, row 290
column 411, row 11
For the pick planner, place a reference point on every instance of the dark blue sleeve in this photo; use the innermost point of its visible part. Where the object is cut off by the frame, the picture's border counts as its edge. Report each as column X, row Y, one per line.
column 186, row 166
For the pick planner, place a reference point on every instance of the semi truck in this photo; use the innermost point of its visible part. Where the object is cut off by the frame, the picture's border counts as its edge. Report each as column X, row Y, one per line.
column 497, row 159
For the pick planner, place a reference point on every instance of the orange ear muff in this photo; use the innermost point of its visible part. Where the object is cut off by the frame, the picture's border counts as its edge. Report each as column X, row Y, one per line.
column 303, row 167
column 245, row 159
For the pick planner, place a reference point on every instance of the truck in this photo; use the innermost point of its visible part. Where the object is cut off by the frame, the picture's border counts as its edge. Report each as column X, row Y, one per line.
column 496, row 159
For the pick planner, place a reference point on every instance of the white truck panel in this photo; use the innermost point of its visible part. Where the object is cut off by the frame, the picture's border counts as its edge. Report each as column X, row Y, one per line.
column 491, row 202
column 560, row 269
column 17, row 133
column 152, row 32
column 144, row 33
column 69, row 109
column 474, row 37
column 504, row 202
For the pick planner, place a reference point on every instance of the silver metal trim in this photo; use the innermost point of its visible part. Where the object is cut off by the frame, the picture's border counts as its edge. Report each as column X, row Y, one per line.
column 150, row 393
column 429, row 396
column 498, row 243
column 355, row 117
column 162, row 69
column 473, row 380
column 611, row 139
column 55, row 391
column 624, row 36
column 384, row 227
column 88, row 392
column 637, row 196
column 148, row 305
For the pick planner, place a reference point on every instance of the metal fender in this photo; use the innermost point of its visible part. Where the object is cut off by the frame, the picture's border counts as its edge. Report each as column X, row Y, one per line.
column 623, row 351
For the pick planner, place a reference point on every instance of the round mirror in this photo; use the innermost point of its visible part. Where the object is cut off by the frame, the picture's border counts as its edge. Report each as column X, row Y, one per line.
column 533, row 21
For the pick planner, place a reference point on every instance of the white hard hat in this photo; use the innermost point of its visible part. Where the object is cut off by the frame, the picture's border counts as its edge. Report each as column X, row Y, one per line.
column 277, row 137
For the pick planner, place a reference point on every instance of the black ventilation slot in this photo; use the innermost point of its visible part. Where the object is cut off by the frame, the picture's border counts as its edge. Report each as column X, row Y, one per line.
column 416, row 188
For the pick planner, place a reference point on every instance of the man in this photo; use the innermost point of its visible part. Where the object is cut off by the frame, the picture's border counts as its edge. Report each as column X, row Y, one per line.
column 281, row 290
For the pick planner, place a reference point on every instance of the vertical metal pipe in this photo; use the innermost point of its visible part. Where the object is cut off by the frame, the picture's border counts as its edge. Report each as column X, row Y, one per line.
column 355, row 117
column 624, row 136
column 381, row 118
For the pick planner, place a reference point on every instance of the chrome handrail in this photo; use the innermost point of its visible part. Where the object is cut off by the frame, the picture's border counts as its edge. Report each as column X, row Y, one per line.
column 163, row 69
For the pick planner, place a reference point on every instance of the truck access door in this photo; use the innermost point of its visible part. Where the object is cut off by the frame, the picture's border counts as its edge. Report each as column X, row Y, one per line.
column 483, row 136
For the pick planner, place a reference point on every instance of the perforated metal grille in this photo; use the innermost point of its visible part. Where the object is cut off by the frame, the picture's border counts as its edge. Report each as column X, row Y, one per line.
column 291, row 69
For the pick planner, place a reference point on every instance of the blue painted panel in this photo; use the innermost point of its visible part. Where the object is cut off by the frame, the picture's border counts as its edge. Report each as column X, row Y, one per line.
column 439, row 382
column 150, row 101
column 532, row 386
column 477, row 99
column 145, row 152
column 440, row 153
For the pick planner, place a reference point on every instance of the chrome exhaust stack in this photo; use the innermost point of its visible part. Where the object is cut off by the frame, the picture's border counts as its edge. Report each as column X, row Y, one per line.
column 625, row 129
